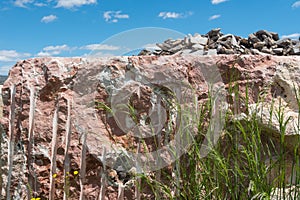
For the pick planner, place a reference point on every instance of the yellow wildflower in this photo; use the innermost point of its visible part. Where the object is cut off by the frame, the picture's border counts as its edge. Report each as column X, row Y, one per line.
column 75, row 172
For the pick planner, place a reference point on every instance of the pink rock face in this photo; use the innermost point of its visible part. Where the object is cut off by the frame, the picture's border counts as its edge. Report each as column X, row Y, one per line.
column 91, row 86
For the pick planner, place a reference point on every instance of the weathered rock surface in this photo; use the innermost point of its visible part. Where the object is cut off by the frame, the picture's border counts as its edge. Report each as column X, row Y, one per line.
column 87, row 82
column 260, row 42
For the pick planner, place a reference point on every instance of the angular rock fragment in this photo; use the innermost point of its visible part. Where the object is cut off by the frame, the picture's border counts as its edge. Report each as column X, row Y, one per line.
column 197, row 53
column 214, row 34
column 197, row 47
column 269, row 42
column 284, row 43
column 253, row 39
column 228, row 40
column 176, row 48
column 259, row 45
column 296, row 50
column 211, row 52
column 275, row 36
column 278, row 51
column 263, row 34
column 198, row 39
column 266, row 50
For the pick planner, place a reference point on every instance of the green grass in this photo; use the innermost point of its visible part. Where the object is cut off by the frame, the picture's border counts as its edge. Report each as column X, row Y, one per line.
column 245, row 164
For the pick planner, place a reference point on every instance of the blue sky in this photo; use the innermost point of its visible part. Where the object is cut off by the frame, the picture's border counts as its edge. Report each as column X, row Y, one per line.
column 36, row 28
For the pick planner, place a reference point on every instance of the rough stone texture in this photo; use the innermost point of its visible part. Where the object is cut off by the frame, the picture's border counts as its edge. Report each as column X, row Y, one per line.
column 58, row 79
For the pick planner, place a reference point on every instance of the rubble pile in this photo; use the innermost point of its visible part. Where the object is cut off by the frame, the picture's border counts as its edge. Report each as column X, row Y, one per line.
column 215, row 42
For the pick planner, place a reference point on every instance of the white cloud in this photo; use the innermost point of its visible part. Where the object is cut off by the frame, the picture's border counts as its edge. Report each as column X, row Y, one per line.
column 45, row 54
column 173, row 15
column 292, row 36
column 98, row 54
column 74, row 3
column 12, row 55
column 296, row 4
column 57, row 48
column 93, row 47
column 53, row 50
column 49, row 18
column 217, row 1
column 114, row 16
column 214, row 17
column 22, row 3
column 166, row 15
column 40, row 4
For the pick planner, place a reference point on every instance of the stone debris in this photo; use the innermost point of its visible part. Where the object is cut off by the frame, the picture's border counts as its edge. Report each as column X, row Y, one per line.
column 215, row 42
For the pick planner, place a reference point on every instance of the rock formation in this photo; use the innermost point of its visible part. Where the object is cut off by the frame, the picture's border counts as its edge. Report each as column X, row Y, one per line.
column 82, row 91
